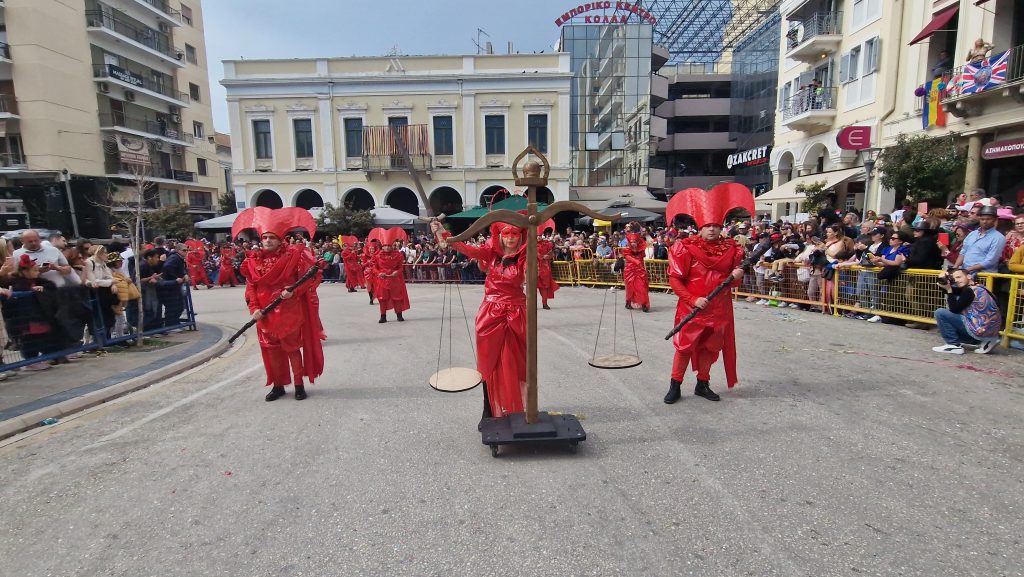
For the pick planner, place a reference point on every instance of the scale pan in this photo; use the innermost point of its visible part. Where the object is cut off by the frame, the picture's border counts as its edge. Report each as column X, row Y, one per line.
column 615, row 361
column 455, row 380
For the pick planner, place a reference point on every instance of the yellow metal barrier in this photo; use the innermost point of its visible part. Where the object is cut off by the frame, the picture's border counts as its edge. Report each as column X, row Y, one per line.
column 788, row 289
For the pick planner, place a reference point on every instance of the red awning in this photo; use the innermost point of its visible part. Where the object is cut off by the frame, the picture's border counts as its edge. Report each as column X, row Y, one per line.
column 937, row 23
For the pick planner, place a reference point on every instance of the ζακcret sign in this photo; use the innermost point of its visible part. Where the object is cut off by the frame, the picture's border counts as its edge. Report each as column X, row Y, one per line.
column 605, row 19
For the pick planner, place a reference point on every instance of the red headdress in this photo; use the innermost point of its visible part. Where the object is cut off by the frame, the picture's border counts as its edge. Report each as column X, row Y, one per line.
column 26, row 261
column 387, row 235
column 277, row 221
column 638, row 238
column 712, row 206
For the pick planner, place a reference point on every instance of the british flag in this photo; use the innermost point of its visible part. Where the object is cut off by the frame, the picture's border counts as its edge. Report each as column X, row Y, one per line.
column 979, row 76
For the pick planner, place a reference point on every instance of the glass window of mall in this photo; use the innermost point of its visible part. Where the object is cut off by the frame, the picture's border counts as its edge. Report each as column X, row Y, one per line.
column 609, row 122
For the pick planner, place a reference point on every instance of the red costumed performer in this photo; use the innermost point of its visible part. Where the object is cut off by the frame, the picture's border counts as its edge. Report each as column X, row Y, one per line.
column 353, row 270
column 196, row 269
column 696, row 265
column 546, row 285
column 635, row 273
column 227, row 266
column 288, row 335
column 369, row 264
column 501, row 321
column 389, row 265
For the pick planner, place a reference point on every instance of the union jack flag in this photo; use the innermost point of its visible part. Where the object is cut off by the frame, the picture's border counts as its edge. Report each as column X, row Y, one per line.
column 979, row 76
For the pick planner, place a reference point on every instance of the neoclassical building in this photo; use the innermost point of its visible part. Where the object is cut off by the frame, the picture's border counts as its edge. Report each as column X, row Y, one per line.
column 306, row 132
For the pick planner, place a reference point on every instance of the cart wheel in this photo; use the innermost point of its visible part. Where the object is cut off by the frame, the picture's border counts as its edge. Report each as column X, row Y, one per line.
column 494, row 451
column 574, row 446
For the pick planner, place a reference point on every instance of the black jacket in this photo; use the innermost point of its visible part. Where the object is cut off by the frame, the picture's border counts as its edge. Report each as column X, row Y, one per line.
column 925, row 253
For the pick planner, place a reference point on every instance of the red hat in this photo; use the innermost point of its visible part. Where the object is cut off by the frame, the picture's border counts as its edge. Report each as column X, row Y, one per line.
column 775, row 237
column 712, row 206
column 277, row 221
column 26, row 261
column 387, row 235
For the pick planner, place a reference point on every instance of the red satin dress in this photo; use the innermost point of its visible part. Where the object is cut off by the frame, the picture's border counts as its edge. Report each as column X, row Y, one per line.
column 369, row 271
column 635, row 276
column 391, row 293
column 695, row 268
column 501, row 328
column 196, row 270
column 227, row 267
column 546, row 284
column 353, row 270
column 288, row 335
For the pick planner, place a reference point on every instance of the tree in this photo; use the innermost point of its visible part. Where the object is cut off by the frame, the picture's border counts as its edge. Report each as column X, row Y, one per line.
column 170, row 221
column 923, row 168
column 335, row 220
column 815, row 196
column 227, row 203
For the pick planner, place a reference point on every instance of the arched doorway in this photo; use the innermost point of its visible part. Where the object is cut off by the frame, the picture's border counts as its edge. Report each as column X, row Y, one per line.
column 359, row 199
column 403, row 199
column 267, row 198
column 446, row 200
column 308, row 199
column 493, row 194
column 786, row 167
column 545, row 195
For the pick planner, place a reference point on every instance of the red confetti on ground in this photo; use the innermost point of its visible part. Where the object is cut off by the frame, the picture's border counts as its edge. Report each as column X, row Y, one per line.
column 227, row 473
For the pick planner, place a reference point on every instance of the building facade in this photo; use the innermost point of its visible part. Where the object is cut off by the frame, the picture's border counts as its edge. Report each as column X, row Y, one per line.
column 308, row 132
column 122, row 89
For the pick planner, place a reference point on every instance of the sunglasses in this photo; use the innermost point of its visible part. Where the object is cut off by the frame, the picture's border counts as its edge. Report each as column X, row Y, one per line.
column 894, row 238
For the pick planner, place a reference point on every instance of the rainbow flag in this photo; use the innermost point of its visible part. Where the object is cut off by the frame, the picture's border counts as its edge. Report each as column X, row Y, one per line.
column 932, row 113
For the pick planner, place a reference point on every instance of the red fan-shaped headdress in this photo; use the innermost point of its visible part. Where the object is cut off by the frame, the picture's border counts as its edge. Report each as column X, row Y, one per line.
column 278, row 221
column 387, row 235
column 712, row 206
column 26, row 261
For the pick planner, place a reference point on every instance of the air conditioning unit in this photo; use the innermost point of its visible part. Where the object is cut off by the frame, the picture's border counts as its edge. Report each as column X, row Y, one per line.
column 164, row 27
column 173, row 109
column 175, row 118
column 129, row 96
column 179, row 55
column 103, row 87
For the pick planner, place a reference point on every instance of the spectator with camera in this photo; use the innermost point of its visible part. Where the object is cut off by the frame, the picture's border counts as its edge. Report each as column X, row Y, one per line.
column 971, row 316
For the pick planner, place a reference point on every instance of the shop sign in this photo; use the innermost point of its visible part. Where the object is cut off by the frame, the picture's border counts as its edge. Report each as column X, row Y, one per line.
column 854, row 138
column 125, row 76
column 132, row 150
column 617, row 18
column 1003, row 149
column 751, row 157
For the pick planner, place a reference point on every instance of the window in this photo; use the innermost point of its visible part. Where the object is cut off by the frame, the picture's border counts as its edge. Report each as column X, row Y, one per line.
column 169, row 197
column 537, row 131
column 193, row 92
column 197, row 129
column 443, row 144
column 200, row 199
column 201, row 166
column 303, row 137
column 494, row 133
column 186, row 14
column 872, row 49
column 354, row 137
column 190, row 54
column 865, row 12
column 849, row 66
column 261, row 136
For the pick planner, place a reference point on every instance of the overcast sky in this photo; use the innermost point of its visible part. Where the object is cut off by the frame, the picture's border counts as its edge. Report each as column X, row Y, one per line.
column 331, row 28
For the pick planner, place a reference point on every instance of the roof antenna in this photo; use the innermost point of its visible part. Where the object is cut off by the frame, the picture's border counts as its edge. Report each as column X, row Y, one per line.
column 476, row 42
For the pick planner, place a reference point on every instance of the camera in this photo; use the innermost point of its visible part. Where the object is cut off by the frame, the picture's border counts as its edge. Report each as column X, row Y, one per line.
column 945, row 279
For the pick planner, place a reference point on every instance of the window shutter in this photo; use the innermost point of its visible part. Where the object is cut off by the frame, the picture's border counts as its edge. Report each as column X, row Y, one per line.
column 876, row 55
column 844, row 68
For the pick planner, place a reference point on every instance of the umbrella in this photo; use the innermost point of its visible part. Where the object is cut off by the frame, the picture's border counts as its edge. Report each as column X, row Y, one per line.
column 511, row 203
column 387, row 216
column 627, row 214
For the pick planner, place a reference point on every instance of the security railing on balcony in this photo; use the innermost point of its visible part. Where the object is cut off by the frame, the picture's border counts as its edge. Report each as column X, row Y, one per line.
column 148, row 37
column 154, row 127
column 164, row 7
column 5, row 51
column 113, row 165
column 808, row 100
column 8, row 104
column 975, row 78
column 384, row 147
column 10, row 160
column 129, row 77
column 817, row 24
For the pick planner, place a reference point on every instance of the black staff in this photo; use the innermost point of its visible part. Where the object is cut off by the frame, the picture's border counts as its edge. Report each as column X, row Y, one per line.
column 273, row 304
column 754, row 257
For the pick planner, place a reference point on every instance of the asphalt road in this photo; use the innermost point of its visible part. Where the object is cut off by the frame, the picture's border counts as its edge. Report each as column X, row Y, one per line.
column 847, row 449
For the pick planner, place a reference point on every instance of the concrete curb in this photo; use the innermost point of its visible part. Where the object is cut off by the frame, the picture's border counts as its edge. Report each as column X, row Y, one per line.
column 30, row 420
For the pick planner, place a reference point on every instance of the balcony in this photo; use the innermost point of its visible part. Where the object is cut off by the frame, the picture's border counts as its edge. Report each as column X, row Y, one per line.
column 818, row 34
column 145, row 127
column 129, row 80
column 810, row 109
column 146, row 41
column 155, row 171
column 5, row 52
column 697, row 141
column 965, row 96
column 659, row 127
column 384, row 148
column 11, row 160
column 659, row 89
column 8, row 106
column 161, row 10
column 685, row 107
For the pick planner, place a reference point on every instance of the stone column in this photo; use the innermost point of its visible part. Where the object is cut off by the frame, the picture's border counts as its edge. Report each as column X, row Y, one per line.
column 972, row 174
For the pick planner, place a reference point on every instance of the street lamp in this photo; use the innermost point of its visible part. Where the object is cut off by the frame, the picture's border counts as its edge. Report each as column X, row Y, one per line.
column 869, row 156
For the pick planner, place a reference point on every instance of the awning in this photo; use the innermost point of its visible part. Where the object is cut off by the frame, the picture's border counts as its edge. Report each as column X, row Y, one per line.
column 219, row 223
column 980, row 2
column 787, row 192
column 387, row 216
column 937, row 23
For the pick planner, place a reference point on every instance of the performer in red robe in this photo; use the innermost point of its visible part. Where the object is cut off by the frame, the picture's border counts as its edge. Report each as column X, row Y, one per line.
column 546, row 284
column 196, row 269
column 635, row 273
column 501, row 320
column 288, row 335
column 227, row 265
column 389, row 264
column 369, row 264
column 353, row 270
column 697, row 265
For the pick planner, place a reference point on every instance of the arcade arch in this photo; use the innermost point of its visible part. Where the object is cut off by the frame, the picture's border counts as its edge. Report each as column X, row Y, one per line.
column 268, row 198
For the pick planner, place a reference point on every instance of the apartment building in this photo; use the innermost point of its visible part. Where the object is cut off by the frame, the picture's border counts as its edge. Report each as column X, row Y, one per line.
column 306, row 132
column 121, row 89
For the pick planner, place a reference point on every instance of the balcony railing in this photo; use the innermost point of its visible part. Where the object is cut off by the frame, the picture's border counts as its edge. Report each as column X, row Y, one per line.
column 8, row 104
column 146, row 125
column 129, row 77
column 817, row 24
column 964, row 81
column 113, row 165
column 164, row 7
column 5, row 51
column 144, row 35
column 807, row 100
column 383, row 147
column 182, row 175
column 10, row 160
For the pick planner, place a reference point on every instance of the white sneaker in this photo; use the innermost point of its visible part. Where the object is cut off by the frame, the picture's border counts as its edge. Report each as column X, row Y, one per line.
column 951, row 349
column 762, row 302
column 750, row 299
column 986, row 346
column 794, row 306
column 875, row 319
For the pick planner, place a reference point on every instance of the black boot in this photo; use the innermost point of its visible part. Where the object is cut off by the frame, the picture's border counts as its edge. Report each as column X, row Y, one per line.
column 400, row 319
column 300, row 392
column 546, row 307
column 275, row 394
column 371, row 296
column 351, row 290
column 646, row 309
column 673, row 393
column 703, row 389
column 383, row 319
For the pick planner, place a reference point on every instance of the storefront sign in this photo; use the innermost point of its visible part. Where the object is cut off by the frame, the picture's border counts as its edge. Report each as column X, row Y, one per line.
column 854, row 137
column 132, row 150
column 622, row 12
column 751, row 157
column 123, row 75
column 1003, row 149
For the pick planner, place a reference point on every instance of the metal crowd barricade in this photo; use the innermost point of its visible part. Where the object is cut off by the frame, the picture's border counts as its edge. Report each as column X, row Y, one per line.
column 42, row 327
column 466, row 272
column 788, row 289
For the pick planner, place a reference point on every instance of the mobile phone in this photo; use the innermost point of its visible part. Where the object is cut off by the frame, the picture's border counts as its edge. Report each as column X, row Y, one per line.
column 944, row 238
